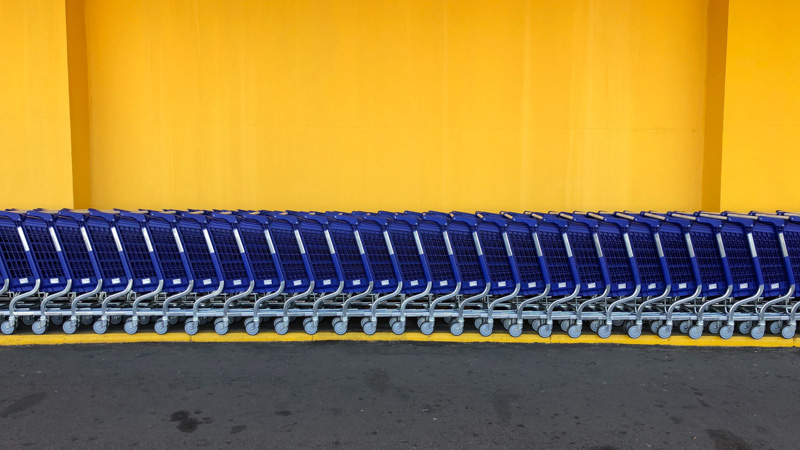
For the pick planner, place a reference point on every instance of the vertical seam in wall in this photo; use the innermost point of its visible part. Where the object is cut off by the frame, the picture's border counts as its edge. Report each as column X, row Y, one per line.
column 79, row 109
column 716, row 56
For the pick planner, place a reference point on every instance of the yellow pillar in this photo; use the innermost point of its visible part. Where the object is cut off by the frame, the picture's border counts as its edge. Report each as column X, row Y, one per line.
column 761, row 135
column 34, row 105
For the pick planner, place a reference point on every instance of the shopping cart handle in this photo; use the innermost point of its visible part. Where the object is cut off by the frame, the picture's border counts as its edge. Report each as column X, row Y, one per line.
column 139, row 217
column 652, row 223
column 46, row 216
column 286, row 218
column 256, row 217
column 380, row 220
column 622, row 223
column 413, row 213
column 468, row 219
column 322, row 220
column 775, row 221
column 103, row 215
column 683, row 223
column 11, row 215
column 560, row 223
column 197, row 217
column 591, row 223
column 499, row 221
column 743, row 221
column 346, row 218
column 442, row 221
column 411, row 220
column 162, row 215
column 230, row 218
column 80, row 217
column 522, row 218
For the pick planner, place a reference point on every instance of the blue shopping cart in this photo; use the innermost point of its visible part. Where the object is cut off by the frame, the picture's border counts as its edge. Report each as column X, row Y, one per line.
column 18, row 269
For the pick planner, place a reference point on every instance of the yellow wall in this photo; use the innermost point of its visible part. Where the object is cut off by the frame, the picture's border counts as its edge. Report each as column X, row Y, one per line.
column 761, row 140
column 34, row 105
column 411, row 104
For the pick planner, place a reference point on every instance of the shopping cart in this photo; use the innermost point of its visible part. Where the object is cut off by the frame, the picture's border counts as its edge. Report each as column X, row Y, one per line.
column 21, row 278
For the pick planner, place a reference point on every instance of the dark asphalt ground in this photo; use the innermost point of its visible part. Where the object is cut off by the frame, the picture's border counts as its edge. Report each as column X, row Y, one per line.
column 398, row 395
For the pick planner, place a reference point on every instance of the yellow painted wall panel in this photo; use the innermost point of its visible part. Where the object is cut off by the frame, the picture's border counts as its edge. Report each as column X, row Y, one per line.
column 414, row 104
column 761, row 147
column 34, row 105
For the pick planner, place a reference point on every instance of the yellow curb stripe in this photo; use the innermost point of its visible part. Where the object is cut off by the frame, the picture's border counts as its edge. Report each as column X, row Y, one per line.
column 120, row 337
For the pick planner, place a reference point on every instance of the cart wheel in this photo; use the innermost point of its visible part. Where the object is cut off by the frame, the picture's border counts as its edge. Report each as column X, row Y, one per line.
column 456, row 328
column 398, row 327
column 696, row 332
column 131, row 326
column 57, row 320
column 594, row 325
column 757, row 332
column 427, row 327
column 86, row 320
column 173, row 320
column 507, row 323
column 221, row 328
column 486, row 329
column 575, row 331
column 634, row 331
column 392, row 321
column 144, row 320
column 788, row 331
column 39, row 327
column 370, row 327
column 535, row 324
column 604, row 331
column 665, row 331
column 310, row 327
column 161, row 326
column 115, row 320
column 565, row 324
column 191, row 326
column 28, row 320
column 684, row 326
column 100, row 326
column 545, row 330
column 340, row 327
column 618, row 323
column 478, row 322
column 7, row 327
column 250, row 326
column 69, row 326
column 775, row 327
column 281, row 327
column 654, row 326
column 726, row 332
column 202, row 320
column 745, row 327
column 364, row 321
column 515, row 330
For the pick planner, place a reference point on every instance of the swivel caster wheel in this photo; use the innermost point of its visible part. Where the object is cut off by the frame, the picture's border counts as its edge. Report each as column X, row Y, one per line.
column 565, row 324
column 100, row 326
column 684, row 326
column 144, row 320
column 370, row 327
column 191, row 326
column 456, row 328
column 7, row 327
column 594, row 325
column 39, row 327
column 726, row 332
column 507, row 323
column 251, row 326
column 340, row 327
column 427, row 327
column 131, row 326
column 220, row 327
column 161, row 326
column 535, row 324
column 545, row 330
column 788, row 331
column 486, row 329
column 69, row 326
column 173, row 320
column 86, row 320
column 478, row 322
column 604, row 331
column 398, row 327
column 364, row 321
column 309, row 326
column 714, row 327
column 574, row 331
column 57, row 320
column 281, row 327
column 665, row 331
column 515, row 330
column 654, row 326
column 634, row 331
column 28, row 320
column 618, row 322
column 757, row 332
column 745, row 327
column 775, row 327
column 115, row 320
column 392, row 321
column 420, row 321
column 696, row 331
